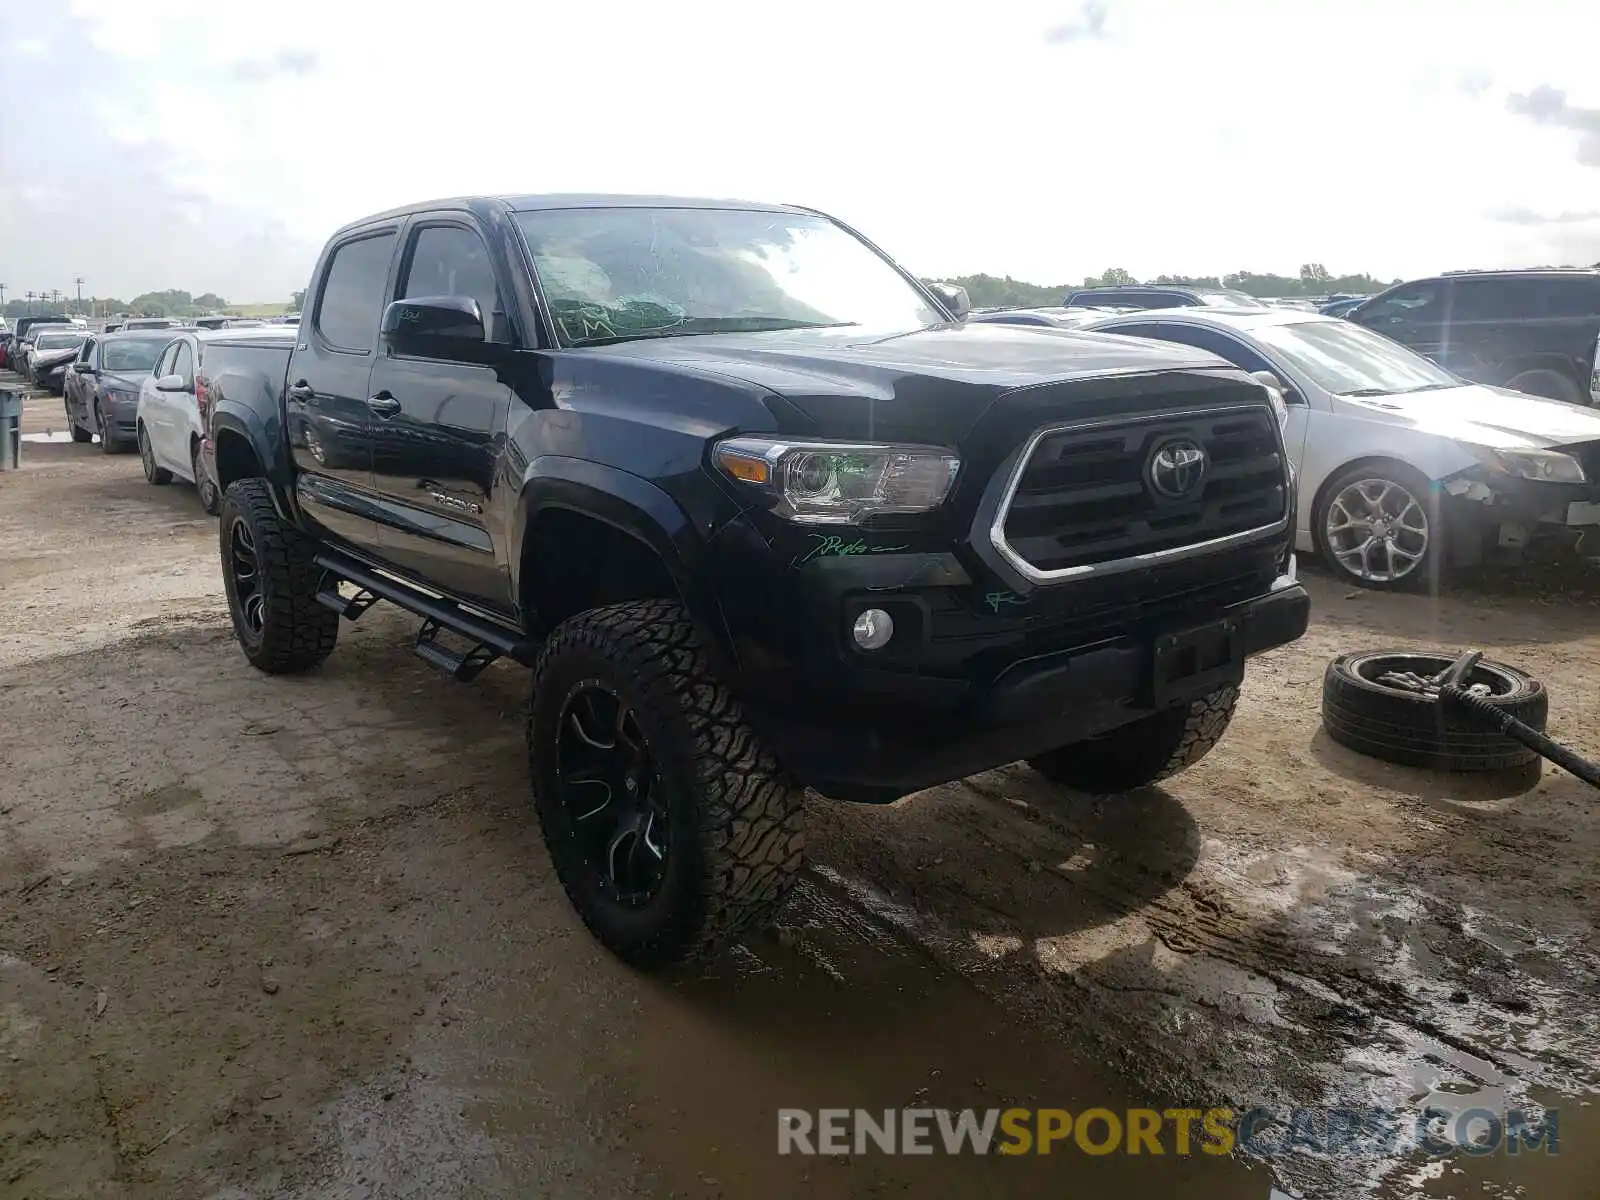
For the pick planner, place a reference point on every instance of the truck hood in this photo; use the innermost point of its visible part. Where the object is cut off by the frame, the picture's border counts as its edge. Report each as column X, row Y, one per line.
column 1484, row 416
column 929, row 385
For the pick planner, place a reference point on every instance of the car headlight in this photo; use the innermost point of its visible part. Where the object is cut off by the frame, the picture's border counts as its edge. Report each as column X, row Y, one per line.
column 1548, row 466
column 831, row 483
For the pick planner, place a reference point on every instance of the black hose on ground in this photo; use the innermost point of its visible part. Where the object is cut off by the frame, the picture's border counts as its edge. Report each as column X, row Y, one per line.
column 1480, row 711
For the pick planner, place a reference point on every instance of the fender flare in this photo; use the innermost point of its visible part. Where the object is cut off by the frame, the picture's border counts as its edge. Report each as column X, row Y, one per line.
column 238, row 420
column 633, row 506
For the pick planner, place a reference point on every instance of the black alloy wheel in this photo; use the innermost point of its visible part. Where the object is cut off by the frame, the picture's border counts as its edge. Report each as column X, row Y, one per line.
column 244, row 570
column 612, row 793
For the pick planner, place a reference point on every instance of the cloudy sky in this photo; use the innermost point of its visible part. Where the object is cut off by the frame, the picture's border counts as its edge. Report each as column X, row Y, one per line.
column 211, row 146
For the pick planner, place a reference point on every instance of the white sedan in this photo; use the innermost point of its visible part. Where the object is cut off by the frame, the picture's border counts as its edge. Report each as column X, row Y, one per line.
column 1403, row 468
column 169, row 429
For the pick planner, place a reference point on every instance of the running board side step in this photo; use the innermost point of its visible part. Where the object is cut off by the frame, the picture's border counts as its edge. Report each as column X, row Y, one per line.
column 490, row 639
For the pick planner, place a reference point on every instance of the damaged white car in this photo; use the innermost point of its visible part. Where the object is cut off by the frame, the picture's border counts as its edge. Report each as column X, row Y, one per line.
column 1404, row 469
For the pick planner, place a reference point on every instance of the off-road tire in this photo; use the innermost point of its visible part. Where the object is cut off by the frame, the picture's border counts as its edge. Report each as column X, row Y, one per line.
column 1147, row 751
column 1413, row 729
column 297, row 632
column 735, row 816
column 159, row 476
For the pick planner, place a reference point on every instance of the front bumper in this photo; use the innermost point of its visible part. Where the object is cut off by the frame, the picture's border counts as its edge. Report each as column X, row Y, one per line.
column 975, row 676
column 1508, row 511
column 121, row 414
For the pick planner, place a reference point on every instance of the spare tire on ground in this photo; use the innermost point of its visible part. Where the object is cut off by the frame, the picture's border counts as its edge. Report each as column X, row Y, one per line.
column 1406, row 724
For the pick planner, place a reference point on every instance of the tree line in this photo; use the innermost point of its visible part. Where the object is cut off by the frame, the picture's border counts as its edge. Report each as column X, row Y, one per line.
column 989, row 291
column 173, row 302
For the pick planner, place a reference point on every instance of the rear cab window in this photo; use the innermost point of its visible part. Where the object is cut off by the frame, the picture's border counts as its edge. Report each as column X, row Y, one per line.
column 350, row 303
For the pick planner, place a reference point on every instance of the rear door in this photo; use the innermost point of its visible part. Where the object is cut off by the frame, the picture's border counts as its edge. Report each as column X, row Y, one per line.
column 328, row 423
column 437, row 426
column 1414, row 314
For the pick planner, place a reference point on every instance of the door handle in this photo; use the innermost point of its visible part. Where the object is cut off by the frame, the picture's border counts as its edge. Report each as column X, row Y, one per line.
column 301, row 391
column 383, row 404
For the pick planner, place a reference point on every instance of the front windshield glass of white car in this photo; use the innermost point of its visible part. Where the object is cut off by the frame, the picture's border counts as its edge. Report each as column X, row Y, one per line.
column 615, row 274
column 1348, row 360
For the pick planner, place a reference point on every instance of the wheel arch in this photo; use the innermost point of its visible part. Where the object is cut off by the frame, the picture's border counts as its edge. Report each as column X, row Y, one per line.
column 639, row 543
column 244, row 450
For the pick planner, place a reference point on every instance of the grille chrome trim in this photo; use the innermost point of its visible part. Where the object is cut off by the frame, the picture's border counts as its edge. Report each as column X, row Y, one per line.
column 1132, row 562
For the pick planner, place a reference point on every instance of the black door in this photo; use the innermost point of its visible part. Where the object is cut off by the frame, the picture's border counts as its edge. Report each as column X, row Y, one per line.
column 437, row 428
column 326, row 413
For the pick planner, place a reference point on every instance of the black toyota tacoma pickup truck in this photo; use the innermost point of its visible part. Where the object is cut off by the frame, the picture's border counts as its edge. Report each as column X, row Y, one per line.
column 761, row 512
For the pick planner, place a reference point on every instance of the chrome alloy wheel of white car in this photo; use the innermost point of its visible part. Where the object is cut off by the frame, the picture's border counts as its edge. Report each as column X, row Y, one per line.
column 1377, row 530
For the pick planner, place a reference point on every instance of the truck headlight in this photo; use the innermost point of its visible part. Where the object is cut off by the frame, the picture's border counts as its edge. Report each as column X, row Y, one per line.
column 833, row 483
column 1548, row 466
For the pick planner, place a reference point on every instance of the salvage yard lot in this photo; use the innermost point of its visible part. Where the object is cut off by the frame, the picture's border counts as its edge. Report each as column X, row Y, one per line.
column 266, row 936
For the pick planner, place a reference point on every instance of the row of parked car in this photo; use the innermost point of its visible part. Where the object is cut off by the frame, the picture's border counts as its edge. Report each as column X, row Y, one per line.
column 41, row 349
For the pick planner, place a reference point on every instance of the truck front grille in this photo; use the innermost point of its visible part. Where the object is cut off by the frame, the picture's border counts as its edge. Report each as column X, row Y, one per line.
column 1118, row 494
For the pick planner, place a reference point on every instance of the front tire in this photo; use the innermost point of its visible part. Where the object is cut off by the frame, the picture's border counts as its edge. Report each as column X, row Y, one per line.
column 108, row 442
column 671, row 827
column 1380, row 526
column 79, row 434
column 271, row 578
column 159, row 476
column 1145, row 752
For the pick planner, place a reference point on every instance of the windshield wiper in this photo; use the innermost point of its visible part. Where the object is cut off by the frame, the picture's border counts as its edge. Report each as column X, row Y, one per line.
column 691, row 326
column 1366, row 392
column 1429, row 387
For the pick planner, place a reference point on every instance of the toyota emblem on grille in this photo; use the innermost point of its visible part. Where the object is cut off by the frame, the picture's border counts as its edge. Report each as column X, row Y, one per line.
column 1177, row 469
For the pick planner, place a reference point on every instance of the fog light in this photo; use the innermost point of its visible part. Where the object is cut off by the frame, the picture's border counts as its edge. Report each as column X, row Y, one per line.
column 873, row 629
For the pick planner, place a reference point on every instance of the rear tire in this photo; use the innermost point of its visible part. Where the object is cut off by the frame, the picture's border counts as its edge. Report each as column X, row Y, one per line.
column 727, row 819
column 1549, row 383
column 210, row 497
column 1145, row 752
column 159, row 476
column 271, row 578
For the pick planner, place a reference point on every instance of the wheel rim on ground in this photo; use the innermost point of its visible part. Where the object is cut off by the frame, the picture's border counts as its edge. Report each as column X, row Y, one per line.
column 1372, row 669
column 245, row 567
column 1377, row 530
column 612, row 793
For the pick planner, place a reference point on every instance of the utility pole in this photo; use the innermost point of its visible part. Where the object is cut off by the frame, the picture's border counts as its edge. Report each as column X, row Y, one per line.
column 77, row 282
column 30, row 304
column 2, row 298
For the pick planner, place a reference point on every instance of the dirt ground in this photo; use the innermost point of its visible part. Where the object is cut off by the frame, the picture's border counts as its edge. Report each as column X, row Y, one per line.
column 299, row 937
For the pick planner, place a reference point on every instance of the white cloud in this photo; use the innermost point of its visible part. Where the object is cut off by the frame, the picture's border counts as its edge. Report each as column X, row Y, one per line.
column 1161, row 135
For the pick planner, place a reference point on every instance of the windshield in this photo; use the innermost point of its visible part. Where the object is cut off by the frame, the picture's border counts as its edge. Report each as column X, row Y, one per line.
column 132, row 355
column 59, row 341
column 610, row 274
column 1348, row 360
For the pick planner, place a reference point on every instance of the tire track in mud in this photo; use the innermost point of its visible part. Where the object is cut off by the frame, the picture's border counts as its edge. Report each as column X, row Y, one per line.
column 1323, row 1000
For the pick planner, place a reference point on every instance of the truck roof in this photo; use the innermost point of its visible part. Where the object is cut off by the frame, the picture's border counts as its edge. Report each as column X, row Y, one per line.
column 532, row 202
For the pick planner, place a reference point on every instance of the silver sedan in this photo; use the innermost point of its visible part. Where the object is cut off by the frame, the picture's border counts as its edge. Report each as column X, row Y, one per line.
column 1403, row 468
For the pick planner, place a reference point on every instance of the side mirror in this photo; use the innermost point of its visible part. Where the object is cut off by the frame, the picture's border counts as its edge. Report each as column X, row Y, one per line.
column 954, row 297
column 84, row 368
column 1268, row 380
column 171, row 383
column 434, row 323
